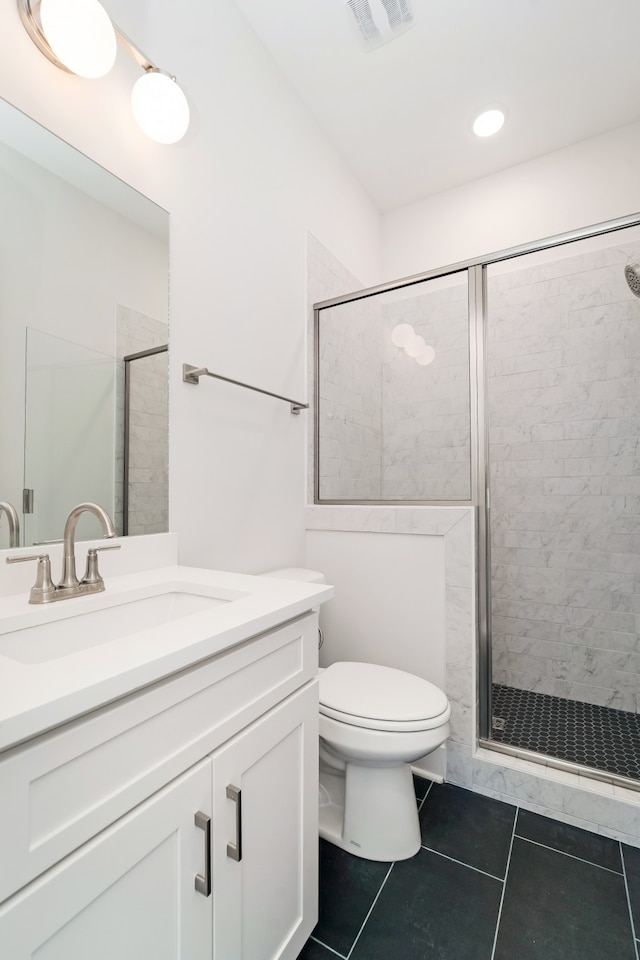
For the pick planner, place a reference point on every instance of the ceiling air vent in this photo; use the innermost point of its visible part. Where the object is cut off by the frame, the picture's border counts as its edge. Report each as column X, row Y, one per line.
column 378, row 21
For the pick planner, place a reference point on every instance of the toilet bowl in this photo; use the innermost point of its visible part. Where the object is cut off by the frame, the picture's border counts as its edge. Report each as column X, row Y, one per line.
column 375, row 721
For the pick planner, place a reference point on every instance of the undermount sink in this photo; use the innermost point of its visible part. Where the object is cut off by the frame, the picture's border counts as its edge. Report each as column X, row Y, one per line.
column 82, row 631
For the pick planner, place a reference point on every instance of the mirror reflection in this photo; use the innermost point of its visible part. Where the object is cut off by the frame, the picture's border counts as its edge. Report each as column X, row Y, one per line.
column 83, row 341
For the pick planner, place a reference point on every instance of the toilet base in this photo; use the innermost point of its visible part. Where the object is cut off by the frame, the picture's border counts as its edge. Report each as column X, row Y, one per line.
column 379, row 820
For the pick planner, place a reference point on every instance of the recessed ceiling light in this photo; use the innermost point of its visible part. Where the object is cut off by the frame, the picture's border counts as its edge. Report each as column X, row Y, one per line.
column 488, row 123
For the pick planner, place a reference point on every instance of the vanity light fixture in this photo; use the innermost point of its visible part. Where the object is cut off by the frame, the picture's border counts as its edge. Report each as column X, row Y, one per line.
column 488, row 123
column 78, row 36
column 159, row 106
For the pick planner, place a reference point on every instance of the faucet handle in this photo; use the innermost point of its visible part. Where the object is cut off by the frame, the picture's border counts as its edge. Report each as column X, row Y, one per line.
column 91, row 573
column 43, row 589
column 33, row 556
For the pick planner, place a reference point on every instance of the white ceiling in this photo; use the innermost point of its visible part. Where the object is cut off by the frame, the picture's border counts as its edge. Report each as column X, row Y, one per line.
column 401, row 115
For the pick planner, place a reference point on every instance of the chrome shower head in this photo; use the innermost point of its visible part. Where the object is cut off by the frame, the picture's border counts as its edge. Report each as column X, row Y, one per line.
column 632, row 276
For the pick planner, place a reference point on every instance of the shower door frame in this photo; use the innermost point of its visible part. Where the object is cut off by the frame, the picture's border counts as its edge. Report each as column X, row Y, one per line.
column 464, row 267
column 479, row 459
column 483, row 503
column 126, row 439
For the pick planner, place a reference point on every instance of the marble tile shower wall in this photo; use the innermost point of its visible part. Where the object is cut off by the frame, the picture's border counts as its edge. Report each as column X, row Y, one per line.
column 350, row 383
column 426, row 452
column 564, row 410
column 391, row 429
column 351, row 402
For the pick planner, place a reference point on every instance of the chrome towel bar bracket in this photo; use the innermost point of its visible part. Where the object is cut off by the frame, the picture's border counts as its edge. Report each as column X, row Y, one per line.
column 191, row 374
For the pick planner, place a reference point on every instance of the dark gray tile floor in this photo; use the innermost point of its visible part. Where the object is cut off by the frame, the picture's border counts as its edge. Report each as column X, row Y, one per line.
column 490, row 882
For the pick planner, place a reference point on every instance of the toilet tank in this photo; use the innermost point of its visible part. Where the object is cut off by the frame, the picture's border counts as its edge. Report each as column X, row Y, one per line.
column 302, row 575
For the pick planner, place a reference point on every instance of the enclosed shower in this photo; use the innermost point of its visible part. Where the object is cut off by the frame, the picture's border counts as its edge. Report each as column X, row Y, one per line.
column 511, row 384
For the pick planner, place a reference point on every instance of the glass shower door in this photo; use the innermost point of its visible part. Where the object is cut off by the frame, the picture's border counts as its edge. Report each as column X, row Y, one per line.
column 563, row 529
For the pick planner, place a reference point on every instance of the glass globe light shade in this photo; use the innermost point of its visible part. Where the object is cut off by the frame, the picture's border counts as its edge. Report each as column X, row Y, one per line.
column 427, row 356
column 488, row 123
column 160, row 107
column 80, row 35
column 415, row 346
column 402, row 334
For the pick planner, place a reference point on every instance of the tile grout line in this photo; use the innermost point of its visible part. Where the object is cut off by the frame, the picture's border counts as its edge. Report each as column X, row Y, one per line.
column 484, row 873
column 626, row 887
column 327, row 947
column 420, row 805
column 504, row 885
column 353, row 945
column 616, row 873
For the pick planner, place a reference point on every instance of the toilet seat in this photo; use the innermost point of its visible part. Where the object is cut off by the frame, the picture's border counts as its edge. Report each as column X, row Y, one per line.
column 381, row 698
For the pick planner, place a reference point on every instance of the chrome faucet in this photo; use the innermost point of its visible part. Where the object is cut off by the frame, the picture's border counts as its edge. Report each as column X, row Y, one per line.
column 14, row 523
column 44, row 590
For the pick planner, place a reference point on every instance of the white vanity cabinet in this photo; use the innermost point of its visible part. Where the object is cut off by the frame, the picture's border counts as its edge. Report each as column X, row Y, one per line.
column 128, row 893
column 112, row 826
column 265, row 841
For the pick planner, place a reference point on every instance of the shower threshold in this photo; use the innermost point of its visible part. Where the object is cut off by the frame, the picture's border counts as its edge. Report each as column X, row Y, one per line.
column 601, row 739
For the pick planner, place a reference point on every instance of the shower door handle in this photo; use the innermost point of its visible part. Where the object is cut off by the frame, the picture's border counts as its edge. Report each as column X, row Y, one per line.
column 234, row 850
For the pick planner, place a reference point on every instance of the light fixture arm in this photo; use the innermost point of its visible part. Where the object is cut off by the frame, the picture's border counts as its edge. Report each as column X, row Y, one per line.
column 134, row 52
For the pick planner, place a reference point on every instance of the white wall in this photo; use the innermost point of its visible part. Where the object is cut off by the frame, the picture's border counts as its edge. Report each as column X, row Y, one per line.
column 257, row 176
column 390, row 605
column 583, row 184
column 251, row 177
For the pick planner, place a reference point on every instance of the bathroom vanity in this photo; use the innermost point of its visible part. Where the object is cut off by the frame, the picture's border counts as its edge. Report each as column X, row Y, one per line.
column 158, row 770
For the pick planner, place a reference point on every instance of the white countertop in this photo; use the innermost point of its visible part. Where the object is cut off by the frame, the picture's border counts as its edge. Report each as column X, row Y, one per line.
column 37, row 696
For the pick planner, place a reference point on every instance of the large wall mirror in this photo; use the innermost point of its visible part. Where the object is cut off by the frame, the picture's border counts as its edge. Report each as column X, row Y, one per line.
column 84, row 267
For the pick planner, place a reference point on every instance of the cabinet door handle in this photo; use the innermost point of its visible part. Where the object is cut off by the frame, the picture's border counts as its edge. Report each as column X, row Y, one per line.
column 234, row 850
column 203, row 883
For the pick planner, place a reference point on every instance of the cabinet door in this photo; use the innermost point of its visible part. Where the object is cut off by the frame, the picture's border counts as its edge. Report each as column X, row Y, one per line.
column 127, row 894
column 265, row 848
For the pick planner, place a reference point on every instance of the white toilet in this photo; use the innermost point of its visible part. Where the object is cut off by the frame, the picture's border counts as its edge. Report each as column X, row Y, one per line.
column 374, row 723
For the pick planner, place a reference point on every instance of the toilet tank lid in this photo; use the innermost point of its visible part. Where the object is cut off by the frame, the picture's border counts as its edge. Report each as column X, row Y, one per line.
column 297, row 573
column 380, row 693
